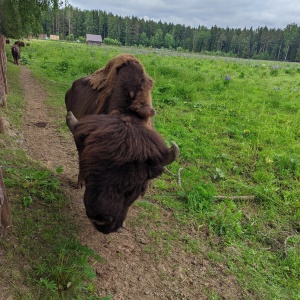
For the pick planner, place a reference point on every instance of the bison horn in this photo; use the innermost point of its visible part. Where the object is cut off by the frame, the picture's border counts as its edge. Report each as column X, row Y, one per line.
column 172, row 154
column 71, row 121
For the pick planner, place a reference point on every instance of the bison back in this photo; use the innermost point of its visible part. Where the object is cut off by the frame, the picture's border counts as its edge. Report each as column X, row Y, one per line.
column 81, row 99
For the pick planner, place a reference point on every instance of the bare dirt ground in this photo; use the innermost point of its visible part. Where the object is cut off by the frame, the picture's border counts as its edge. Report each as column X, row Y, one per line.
column 129, row 272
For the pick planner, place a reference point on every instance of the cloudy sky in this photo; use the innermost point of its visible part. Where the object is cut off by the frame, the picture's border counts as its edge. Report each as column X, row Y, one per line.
column 223, row 13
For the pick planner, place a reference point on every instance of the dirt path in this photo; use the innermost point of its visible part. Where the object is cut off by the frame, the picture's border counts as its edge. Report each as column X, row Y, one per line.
column 130, row 270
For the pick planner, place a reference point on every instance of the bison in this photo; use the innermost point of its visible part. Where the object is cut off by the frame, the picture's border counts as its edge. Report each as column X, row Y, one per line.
column 122, row 85
column 118, row 155
column 109, row 115
column 15, row 51
column 20, row 43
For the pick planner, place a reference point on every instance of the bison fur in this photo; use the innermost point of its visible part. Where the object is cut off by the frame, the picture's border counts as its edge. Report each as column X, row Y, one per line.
column 109, row 114
column 122, row 85
column 118, row 155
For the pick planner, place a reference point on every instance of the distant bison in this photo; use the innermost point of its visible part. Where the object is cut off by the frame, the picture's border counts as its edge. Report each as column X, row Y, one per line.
column 15, row 51
column 7, row 41
column 20, row 43
column 119, row 150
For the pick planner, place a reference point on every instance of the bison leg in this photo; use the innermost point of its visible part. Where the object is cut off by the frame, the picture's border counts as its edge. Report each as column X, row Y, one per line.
column 172, row 154
column 71, row 121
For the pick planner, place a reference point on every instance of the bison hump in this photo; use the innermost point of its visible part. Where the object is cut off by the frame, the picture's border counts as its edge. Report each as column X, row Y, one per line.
column 119, row 140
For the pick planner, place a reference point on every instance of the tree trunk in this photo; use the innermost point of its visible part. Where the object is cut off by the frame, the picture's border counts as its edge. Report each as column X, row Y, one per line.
column 286, row 53
column 279, row 51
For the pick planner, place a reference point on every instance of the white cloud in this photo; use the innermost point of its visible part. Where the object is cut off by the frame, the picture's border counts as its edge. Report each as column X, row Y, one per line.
column 230, row 13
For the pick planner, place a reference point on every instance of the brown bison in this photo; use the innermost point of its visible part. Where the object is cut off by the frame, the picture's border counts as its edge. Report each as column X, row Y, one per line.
column 20, row 43
column 15, row 51
column 118, row 155
column 119, row 150
column 122, row 85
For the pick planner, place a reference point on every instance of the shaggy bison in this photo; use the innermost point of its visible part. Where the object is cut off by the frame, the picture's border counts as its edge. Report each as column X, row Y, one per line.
column 20, row 43
column 118, row 155
column 15, row 51
column 119, row 150
column 122, row 85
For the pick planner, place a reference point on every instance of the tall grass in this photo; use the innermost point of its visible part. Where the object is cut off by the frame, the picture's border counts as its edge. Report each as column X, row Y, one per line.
column 237, row 125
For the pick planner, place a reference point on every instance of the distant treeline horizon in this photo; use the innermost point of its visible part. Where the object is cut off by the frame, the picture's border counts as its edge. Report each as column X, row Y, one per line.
column 72, row 23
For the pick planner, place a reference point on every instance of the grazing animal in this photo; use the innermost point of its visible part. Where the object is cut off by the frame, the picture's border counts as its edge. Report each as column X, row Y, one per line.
column 119, row 150
column 7, row 41
column 122, row 85
column 20, row 43
column 15, row 51
column 118, row 155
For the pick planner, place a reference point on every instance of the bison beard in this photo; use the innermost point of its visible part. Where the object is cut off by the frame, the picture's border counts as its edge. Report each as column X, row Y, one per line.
column 118, row 155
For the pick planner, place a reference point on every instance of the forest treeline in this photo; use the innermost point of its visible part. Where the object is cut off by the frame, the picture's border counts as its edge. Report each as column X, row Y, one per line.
column 72, row 23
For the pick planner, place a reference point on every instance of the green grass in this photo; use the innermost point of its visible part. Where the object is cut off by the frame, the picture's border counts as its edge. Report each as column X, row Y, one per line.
column 238, row 135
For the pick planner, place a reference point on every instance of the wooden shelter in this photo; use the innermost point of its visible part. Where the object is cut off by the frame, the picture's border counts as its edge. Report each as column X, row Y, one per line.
column 54, row 37
column 93, row 39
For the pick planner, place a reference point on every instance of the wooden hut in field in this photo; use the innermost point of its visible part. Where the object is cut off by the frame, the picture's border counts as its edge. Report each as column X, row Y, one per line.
column 54, row 37
column 93, row 39
column 43, row 36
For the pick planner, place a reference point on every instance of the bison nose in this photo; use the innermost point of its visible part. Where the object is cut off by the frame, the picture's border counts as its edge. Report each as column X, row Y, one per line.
column 101, row 220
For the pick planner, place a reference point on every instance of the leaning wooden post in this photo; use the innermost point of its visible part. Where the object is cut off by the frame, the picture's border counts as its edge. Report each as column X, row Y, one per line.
column 5, row 217
column 3, row 79
column 2, row 128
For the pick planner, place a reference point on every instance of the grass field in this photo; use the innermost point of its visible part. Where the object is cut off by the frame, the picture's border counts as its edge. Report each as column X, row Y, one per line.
column 237, row 125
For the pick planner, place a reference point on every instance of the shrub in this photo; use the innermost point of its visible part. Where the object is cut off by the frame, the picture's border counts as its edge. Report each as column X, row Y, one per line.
column 113, row 42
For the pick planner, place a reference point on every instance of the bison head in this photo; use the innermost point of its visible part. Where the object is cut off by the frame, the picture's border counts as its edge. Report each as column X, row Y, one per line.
column 122, row 85
column 118, row 155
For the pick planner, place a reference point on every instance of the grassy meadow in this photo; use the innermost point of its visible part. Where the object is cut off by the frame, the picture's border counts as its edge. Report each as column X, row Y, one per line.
column 237, row 123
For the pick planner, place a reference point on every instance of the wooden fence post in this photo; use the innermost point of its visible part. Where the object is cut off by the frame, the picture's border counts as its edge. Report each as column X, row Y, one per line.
column 2, row 129
column 5, row 217
column 3, row 80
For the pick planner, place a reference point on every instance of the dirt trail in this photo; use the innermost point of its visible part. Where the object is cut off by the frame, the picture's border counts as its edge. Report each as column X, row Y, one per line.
column 130, row 272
